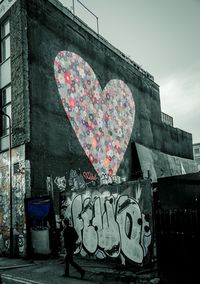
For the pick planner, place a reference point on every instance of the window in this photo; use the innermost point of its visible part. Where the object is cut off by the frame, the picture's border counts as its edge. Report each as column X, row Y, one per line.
column 196, row 151
column 5, row 84
column 5, row 40
column 6, row 108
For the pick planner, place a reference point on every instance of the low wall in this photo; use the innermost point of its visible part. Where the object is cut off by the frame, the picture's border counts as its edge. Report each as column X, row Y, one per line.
column 114, row 221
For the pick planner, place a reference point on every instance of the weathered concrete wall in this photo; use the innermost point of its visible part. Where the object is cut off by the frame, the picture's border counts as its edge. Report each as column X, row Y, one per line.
column 58, row 143
column 148, row 129
column 175, row 141
column 155, row 164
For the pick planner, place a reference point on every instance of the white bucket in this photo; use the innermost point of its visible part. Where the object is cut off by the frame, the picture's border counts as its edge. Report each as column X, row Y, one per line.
column 40, row 241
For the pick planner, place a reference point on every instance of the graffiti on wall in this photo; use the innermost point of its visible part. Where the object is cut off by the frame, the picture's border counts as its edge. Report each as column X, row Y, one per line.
column 18, row 192
column 102, row 119
column 110, row 224
column 79, row 181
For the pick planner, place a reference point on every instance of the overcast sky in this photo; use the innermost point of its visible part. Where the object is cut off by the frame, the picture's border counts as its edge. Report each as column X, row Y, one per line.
column 163, row 37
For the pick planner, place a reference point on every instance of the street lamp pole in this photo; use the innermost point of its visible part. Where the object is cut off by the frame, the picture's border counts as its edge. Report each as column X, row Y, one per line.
column 10, row 181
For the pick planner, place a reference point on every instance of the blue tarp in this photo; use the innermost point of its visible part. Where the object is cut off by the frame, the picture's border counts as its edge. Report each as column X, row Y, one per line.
column 39, row 209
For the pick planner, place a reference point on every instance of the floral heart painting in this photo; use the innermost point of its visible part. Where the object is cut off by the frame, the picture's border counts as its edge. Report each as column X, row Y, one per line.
column 102, row 119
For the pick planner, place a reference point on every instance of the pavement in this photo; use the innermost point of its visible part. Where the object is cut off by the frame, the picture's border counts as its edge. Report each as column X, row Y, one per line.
column 50, row 270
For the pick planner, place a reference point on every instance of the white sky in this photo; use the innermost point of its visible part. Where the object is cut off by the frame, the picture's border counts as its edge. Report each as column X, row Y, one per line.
column 163, row 37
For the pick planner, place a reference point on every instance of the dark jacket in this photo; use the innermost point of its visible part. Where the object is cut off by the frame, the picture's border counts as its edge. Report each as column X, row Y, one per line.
column 70, row 237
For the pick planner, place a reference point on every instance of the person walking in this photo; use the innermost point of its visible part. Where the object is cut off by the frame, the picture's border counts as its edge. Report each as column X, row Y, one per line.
column 70, row 237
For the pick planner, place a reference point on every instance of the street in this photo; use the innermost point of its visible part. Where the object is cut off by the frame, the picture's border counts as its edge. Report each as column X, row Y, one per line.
column 50, row 271
column 41, row 272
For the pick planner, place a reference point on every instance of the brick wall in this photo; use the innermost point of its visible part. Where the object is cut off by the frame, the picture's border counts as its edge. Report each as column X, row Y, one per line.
column 19, row 75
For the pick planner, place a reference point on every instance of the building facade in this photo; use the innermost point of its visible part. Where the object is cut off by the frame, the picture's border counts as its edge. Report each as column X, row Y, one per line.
column 86, row 129
column 196, row 153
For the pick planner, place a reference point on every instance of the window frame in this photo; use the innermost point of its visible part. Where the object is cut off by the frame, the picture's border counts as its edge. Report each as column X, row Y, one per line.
column 5, row 39
column 4, row 106
column 196, row 151
column 5, row 83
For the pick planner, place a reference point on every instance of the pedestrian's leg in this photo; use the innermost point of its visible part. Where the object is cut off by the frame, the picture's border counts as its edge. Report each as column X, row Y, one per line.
column 66, row 265
column 74, row 264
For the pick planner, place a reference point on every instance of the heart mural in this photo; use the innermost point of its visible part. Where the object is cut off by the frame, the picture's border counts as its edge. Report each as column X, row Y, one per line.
column 102, row 120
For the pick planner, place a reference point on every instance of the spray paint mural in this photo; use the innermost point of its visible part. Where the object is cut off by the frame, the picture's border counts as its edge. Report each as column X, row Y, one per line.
column 102, row 119
column 18, row 189
column 112, row 220
column 112, row 217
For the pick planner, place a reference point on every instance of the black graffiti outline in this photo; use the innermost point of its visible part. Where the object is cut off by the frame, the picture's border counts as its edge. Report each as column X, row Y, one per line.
column 90, row 203
column 127, row 203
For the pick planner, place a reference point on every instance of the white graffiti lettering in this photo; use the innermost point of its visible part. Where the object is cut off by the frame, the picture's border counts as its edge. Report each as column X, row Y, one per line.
column 106, row 179
column 110, row 225
column 76, row 181
column 60, row 182
column 128, row 215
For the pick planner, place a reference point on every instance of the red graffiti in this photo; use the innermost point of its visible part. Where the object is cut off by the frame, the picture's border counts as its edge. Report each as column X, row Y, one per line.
column 89, row 175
